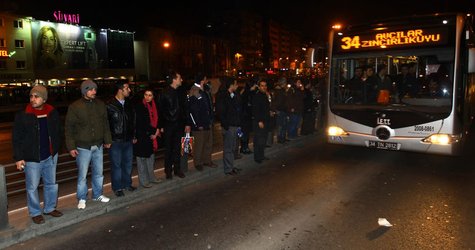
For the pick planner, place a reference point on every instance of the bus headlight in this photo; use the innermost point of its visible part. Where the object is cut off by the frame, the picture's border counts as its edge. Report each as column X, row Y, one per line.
column 440, row 139
column 336, row 131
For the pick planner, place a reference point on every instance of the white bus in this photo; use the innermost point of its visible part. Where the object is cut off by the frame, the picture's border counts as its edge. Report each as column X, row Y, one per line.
column 406, row 83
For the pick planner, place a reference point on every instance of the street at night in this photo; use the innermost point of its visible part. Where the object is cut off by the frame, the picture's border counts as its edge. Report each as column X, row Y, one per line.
column 308, row 196
column 157, row 116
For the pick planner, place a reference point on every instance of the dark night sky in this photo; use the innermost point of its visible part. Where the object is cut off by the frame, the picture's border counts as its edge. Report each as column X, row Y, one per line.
column 312, row 17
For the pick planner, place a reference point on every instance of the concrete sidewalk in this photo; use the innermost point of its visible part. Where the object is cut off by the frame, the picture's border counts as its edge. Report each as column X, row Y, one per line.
column 22, row 228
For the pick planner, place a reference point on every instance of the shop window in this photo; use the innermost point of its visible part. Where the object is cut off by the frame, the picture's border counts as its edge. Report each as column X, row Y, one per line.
column 20, row 64
column 19, row 44
column 2, row 42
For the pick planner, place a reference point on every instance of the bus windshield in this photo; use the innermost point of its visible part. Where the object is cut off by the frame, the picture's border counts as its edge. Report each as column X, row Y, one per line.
column 417, row 79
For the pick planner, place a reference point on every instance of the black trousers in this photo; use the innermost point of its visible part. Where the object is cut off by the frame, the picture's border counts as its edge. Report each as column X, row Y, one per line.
column 260, row 139
column 172, row 140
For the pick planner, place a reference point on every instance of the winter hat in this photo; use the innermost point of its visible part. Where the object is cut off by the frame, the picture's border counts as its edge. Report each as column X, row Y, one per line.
column 41, row 91
column 87, row 85
column 282, row 81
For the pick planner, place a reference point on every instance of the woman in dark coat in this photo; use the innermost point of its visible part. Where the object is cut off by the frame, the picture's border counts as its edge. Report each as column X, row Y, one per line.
column 146, row 132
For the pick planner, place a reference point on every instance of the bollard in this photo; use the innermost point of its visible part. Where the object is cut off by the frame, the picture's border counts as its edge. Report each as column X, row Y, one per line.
column 3, row 200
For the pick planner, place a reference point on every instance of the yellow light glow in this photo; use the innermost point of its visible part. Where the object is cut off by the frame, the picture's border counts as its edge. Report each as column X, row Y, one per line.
column 336, row 26
column 335, row 131
column 166, row 44
column 440, row 139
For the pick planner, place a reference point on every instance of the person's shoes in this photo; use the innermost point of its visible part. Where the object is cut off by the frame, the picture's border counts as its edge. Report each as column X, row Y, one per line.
column 102, row 198
column 246, row 151
column 147, row 185
column 169, row 177
column 82, row 204
column 119, row 193
column 131, row 188
column 181, row 175
column 199, row 167
column 38, row 219
column 237, row 169
column 232, row 172
column 55, row 213
column 155, row 181
column 268, row 146
column 237, row 157
column 212, row 165
column 258, row 161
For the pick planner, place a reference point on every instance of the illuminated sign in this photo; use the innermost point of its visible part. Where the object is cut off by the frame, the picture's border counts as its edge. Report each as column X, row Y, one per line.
column 59, row 45
column 3, row 53
column 393, row 39
column 65, row 18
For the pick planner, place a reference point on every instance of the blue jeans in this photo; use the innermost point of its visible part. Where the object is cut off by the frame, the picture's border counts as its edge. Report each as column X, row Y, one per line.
column 86, row 157
column 46, row 170
column 294, row 120
column 120, row 155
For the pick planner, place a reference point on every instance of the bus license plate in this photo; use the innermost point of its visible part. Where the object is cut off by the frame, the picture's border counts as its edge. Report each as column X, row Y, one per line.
column 383, row 145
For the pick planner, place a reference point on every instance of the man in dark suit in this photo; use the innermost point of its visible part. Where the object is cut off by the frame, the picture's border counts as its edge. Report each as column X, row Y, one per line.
column 261, row 113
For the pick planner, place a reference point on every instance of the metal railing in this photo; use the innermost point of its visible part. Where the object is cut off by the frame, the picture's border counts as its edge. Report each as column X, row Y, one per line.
column 3, row 199
column 66, row 170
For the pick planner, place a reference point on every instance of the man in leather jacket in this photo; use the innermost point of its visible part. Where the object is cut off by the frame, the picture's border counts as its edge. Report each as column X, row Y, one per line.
column 121, row 121
column 172, row 121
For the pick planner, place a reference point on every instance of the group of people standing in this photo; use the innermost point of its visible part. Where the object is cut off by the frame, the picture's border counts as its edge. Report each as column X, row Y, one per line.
column 129, row 129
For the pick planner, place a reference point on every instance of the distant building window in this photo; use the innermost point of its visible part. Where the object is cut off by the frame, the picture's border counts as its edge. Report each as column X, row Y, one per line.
column 1, row 21
column 89, row 35
column 20, row 64
column 18, row 24
column 2, row 42
column 19, row 44
column 3, row 64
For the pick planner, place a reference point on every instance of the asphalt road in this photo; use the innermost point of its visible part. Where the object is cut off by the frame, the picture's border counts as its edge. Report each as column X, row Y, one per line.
column 314, row 196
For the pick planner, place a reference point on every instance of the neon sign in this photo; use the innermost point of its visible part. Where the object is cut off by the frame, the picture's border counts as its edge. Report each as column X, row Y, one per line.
column 66, row 18
column 402, row 38
column 3, row 53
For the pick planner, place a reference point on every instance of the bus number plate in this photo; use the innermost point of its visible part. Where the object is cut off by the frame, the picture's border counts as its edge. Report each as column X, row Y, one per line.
column 383, row 145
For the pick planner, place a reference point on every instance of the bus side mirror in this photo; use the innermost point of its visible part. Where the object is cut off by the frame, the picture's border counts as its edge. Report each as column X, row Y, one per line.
column 471, row 60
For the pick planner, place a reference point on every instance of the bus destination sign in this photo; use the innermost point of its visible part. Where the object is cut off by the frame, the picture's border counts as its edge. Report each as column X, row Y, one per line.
column 393, row 39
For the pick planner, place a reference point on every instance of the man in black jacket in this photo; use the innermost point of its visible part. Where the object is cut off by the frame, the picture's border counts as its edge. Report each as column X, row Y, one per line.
column 229, row 110
column 172, row 121
column 36, row 142
column 261, row 114
column 121, row 121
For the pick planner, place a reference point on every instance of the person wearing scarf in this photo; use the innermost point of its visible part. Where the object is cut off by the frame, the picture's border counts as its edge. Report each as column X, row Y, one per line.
column 36, row 139
column 146, row 132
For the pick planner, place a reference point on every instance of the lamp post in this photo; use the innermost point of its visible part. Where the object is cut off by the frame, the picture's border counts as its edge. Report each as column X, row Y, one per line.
column 166, row 47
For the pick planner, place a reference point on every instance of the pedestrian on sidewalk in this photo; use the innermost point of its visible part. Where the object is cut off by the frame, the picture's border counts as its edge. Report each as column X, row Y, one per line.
column 204, row 85
column 172, row 123
column 261, row 113
column 121, row 115
column 146, row 133
column 229, row 110
column 87, row 133
column 36, row 141
column 199, row 118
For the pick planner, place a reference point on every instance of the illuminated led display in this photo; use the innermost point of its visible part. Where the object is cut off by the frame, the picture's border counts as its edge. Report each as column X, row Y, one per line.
column 393, row 39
